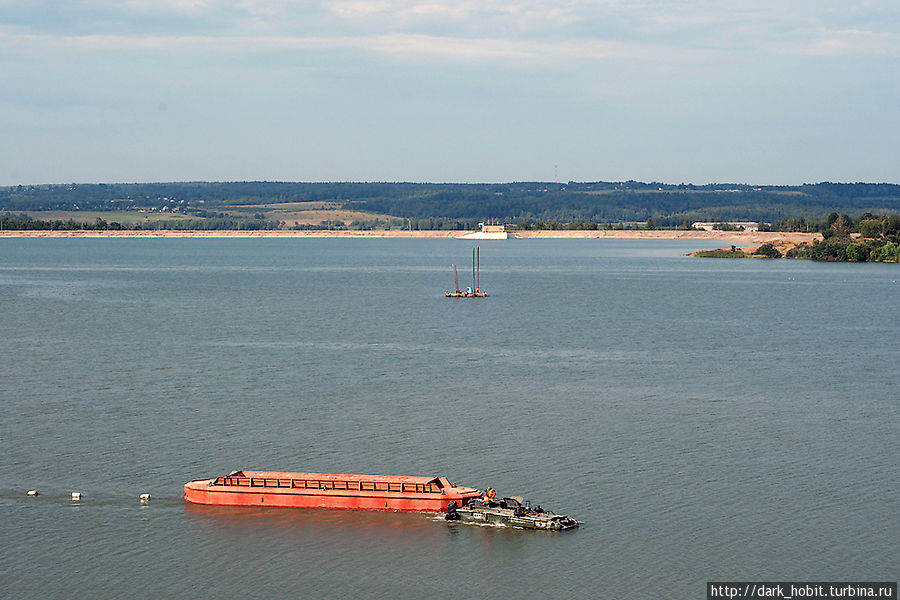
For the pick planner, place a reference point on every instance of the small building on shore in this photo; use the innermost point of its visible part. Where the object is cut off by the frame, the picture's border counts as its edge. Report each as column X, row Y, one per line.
column 726, row 226
column 487, row 232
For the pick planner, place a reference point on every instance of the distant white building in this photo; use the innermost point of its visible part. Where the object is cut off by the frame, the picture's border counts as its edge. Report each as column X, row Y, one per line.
column 487, row 232
column 740, row 225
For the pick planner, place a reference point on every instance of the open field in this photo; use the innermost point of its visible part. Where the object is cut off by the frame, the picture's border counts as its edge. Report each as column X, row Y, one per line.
column 292, row 213
column 289, row 206
column 125, row 217
column 303, row 213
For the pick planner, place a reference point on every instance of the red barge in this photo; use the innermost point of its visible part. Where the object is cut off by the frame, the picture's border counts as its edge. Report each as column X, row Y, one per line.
column 328, row 490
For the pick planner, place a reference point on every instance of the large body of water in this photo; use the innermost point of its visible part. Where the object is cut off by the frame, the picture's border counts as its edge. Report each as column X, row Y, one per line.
column 707, row 419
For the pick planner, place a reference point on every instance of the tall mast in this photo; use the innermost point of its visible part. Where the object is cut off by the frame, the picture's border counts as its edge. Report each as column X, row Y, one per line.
column 455, row 280
column 473, row 268
column 478, row 269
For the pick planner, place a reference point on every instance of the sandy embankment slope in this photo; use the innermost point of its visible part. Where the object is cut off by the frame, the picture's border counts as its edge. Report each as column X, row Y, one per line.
column 741, row 237
column 744, row 237
column 228, row 233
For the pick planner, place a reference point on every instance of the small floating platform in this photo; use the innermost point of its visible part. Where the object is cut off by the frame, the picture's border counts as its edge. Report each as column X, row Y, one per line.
column 470, row 292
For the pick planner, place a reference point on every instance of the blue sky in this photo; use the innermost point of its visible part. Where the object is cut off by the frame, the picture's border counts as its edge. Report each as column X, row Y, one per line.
column 765, row 91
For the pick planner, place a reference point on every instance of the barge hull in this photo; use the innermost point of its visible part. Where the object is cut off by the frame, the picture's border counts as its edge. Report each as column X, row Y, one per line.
column 325, row 490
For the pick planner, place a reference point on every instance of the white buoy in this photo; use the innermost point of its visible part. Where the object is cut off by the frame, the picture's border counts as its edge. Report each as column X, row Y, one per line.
column 76, row 495
column 32, row 492
column 145, row 497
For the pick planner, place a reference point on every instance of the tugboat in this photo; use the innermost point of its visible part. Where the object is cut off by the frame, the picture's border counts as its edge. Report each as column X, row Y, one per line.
column 509, row 512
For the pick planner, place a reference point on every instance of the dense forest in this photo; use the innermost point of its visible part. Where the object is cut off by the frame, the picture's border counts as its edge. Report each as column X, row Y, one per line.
column 457, row 206
column 877, row 240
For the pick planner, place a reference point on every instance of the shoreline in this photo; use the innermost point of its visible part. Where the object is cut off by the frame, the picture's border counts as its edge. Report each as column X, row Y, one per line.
column 744, row 237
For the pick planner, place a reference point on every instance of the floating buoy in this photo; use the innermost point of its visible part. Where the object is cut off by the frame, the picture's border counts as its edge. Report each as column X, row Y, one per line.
column 32, row 492
column 145, row 497
column 76, row 495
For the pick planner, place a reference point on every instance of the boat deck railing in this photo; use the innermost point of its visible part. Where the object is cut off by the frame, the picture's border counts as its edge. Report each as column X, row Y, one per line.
column 328, row 484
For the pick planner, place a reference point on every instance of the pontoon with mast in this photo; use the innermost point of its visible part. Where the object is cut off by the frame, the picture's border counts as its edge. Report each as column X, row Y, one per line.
column 475, row 290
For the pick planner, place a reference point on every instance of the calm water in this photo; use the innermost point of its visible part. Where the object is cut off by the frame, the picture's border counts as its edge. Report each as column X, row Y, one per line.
column 707, row 419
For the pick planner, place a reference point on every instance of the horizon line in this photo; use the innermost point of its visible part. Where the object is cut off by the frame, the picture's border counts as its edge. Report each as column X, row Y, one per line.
column 398, row 182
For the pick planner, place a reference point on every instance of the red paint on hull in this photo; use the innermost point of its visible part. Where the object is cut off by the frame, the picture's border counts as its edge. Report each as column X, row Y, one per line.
column 328, row 490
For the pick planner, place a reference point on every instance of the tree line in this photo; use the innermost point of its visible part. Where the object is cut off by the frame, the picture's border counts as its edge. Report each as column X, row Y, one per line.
column 667, row 205
column 25, row 223
column 877, row 240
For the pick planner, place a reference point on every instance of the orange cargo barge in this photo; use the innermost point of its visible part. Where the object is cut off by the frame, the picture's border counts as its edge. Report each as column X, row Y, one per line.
column 328, row 490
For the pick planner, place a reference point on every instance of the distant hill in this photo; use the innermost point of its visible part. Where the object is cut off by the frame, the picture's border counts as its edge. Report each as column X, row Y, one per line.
column 453, row 204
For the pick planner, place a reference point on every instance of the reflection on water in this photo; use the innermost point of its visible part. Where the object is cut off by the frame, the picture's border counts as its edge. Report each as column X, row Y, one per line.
column 355, row 548
column 357, row 525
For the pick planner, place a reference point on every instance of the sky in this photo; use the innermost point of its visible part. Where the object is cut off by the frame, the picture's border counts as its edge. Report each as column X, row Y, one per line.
column 702, row 91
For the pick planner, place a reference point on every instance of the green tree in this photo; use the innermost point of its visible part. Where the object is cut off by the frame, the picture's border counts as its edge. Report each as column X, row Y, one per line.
column 870, row 228
column 889, row 252
column 843, row 225
column 890, row 225
column 857, row 252
column 768, row 250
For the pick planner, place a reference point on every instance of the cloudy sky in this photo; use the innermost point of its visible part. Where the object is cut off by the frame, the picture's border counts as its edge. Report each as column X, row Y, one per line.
column 747, row 91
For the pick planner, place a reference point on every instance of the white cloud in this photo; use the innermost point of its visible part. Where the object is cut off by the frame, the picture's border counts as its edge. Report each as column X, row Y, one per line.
column 410, row 48
column 725, row 24
column 164, row 5
column 529, row 32
column 465, row 17
column 360, row 9
column 849, row 42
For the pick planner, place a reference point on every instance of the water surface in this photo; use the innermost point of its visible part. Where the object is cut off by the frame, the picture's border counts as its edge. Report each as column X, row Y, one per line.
column 707, row 419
